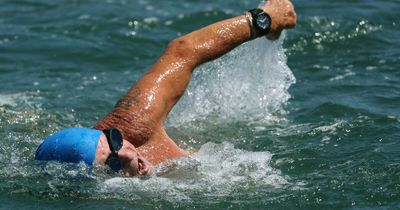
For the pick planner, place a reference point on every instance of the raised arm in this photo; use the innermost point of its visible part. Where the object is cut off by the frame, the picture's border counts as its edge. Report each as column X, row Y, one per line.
column 141, row 112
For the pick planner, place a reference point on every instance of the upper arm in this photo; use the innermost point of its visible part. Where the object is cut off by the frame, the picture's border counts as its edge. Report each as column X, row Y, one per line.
column 166, row 81
column 147, row 104
column 143, row 109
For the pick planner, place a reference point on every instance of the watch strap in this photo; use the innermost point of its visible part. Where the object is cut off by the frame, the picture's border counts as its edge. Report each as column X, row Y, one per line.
column 249, row 20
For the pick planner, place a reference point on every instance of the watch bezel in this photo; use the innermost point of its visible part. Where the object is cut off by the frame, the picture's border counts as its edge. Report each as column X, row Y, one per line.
column 256, row 14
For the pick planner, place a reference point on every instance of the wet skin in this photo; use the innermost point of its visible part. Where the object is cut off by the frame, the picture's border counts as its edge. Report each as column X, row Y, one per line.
column 133, row 164
column 140, row 114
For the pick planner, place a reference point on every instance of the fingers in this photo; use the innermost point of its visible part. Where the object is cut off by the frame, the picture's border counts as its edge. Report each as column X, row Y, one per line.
column 290, row 16
column 282, row 14
column 291, row 19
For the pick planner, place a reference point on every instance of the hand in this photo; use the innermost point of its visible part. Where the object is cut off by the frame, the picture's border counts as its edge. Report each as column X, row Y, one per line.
column 282, row 16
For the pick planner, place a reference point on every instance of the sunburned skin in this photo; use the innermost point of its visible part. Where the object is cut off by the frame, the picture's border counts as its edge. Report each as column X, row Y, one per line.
column 140, row 114
column 133, row 164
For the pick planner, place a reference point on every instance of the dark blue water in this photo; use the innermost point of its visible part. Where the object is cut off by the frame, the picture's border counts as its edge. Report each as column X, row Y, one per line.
column 308, row 122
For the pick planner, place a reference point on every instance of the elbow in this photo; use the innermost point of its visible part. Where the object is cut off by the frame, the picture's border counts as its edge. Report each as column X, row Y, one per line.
column 180, row 48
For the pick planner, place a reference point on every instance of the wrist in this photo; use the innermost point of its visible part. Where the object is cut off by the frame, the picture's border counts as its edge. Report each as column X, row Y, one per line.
column 259, row 22
column 249, row 19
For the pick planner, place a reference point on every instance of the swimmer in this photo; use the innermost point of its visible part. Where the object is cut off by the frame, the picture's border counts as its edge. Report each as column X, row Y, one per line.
column 132, row 137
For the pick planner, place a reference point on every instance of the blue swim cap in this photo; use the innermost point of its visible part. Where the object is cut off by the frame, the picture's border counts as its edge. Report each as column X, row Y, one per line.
column 71, row 145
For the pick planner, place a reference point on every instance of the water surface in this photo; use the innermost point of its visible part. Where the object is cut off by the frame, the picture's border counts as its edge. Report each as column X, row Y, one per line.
column 308, row 122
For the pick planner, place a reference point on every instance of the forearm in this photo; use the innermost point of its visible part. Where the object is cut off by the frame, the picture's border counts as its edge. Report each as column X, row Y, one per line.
column 214, row 40
column 143, row 109
column 148, row 103
column 169, row 77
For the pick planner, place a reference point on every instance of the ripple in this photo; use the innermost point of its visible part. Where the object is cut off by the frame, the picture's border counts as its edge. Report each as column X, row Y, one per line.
column 325, row 32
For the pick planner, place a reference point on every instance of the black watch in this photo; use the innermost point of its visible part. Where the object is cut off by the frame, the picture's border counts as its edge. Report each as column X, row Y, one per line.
column 261, row 21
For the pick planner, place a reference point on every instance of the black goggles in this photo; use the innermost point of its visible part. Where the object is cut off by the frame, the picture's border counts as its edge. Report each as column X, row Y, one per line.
column 115, row 142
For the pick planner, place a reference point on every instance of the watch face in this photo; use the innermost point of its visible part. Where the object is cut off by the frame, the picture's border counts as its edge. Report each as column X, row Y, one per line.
column 263, row 21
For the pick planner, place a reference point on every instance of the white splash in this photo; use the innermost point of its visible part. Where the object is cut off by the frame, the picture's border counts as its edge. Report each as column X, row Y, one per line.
column 24, row 98
column 10, row 99
column 216, row 170
column 248, row 84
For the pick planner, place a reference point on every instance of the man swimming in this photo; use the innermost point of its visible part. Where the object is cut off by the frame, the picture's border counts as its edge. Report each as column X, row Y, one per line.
column 132, row 137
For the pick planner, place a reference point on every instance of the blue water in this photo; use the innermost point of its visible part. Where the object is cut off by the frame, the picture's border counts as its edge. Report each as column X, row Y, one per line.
column 310, row 121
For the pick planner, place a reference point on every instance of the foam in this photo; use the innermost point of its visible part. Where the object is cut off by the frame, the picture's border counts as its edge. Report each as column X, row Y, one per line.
column 9, row 99
column 216, row 169
column 248, row 84
column 20, row 108
column 20, row 99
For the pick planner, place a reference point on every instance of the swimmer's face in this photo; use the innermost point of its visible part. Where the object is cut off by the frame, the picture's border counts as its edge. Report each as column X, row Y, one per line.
column 132, row 162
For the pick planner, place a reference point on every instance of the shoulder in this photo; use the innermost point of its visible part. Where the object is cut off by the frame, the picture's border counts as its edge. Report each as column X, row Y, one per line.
column 136, row 127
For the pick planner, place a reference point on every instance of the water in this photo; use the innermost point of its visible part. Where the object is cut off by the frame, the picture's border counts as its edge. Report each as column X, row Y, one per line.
column 308, row 122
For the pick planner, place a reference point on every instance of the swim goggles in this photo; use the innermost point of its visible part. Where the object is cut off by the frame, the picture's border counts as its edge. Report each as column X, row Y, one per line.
column 115, row 142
